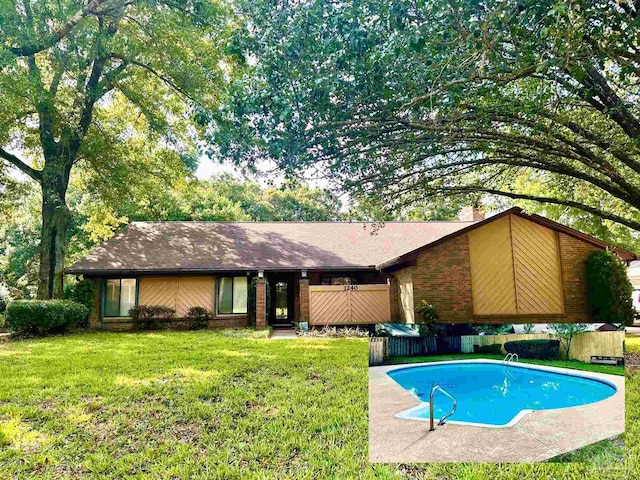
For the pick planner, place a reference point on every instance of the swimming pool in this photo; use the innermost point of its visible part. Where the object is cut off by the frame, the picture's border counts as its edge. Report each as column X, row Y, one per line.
column 492, row 394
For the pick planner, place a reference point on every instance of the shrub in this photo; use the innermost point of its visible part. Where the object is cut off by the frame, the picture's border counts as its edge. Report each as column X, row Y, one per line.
column 334, row 332
column 427, row 312
column 541, row 349
column 81, row 292
column 146, row 317
column 1, row 321
column 493, row 328
column 427, row 317
column 566, row 333
column 493, row 349
column 199, row 317
column 609, row 289
column 3, row 304
column 39, row 317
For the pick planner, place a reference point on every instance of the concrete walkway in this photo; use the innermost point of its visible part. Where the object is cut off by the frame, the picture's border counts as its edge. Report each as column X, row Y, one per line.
column 538, row 436
column 282, row 334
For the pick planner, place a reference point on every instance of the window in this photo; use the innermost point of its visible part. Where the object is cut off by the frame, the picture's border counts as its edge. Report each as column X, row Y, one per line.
column 338, row 280
column 119, row 296
column 232, row 295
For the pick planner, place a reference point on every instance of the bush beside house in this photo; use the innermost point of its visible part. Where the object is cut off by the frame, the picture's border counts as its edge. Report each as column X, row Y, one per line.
column 198, row 318
column 41, row 317
column 81, row 292
column 540, row 349
column 609, row 289
column 427, row 318
column 148, row 317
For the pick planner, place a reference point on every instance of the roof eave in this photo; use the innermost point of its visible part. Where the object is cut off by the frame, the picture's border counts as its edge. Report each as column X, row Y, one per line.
column 177, row 271
column 410, row 256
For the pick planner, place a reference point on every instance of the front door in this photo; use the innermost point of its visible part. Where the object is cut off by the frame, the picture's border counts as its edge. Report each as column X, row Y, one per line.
column 281, row 310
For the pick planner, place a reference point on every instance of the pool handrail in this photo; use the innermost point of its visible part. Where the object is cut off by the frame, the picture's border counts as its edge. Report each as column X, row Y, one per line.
column 510, row 357
column 455, row 406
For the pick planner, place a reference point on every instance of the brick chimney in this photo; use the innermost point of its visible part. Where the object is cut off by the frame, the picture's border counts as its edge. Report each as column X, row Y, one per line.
column 471, row 214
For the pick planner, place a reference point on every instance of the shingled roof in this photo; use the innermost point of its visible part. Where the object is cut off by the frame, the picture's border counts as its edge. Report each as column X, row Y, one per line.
column 190, row 247
column 225, row 246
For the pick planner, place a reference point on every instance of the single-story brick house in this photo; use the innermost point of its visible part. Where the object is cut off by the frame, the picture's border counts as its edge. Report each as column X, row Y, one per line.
column 511, row 267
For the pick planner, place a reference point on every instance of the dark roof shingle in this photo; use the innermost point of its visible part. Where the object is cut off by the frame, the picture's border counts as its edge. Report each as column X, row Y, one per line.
column 219, row 246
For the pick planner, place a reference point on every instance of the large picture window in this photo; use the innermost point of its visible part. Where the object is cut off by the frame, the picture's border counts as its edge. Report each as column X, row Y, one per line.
column 119, row 296
column 232, row 295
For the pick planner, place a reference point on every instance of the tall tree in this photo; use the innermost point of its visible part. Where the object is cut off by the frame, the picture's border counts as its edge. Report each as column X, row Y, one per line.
column 64, row 64
column 417, row 99
column 99, row 211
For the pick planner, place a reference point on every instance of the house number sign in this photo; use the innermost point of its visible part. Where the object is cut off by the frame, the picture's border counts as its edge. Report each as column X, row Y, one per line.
column 350, row 287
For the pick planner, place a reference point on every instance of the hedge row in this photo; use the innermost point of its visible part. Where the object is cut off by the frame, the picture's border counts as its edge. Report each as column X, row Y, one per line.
column 39, row 317
column 541, row 349
column 149, row 317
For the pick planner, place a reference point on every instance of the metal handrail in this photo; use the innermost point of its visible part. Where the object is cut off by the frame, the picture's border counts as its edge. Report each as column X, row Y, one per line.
column 455, row 405
column 510, row 357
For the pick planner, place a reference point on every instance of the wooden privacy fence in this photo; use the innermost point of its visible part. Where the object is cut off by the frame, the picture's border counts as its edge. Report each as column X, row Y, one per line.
column 415, row 346
column 583, row 346
column 349, row 304
column 377, row 349
column 381, row 348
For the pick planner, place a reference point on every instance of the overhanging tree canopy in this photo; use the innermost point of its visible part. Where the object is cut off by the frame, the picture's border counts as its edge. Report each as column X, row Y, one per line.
column 415, row 99
column 72, row 73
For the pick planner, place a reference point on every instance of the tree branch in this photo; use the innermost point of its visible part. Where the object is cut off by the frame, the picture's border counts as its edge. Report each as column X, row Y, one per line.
column 155, row 73
column 59, row 34
column 555, row 201
column 12, row 159
column 608, row 103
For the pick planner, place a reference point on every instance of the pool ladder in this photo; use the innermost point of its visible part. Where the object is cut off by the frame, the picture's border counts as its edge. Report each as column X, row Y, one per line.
column 510, row 357
column 455, row 405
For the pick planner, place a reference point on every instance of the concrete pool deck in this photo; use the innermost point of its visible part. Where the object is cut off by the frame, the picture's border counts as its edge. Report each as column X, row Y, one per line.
column 539, row 436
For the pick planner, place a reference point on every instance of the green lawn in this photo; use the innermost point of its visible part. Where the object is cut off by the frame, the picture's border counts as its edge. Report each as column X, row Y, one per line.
column 602, row 453
column 211, row 404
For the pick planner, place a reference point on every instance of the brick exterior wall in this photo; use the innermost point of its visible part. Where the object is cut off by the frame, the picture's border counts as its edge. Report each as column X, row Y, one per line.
column 296, row 298
column 573, row 259
column 94, row 315
column 235, row 321
column 261, row 304
column 304, row 300
column 442, row 276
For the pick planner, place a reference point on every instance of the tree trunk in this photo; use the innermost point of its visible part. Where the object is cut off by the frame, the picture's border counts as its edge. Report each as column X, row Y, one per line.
column 53, row 237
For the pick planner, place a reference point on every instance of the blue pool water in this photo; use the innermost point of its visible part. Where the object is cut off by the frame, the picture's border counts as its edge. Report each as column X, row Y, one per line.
column 492, row 394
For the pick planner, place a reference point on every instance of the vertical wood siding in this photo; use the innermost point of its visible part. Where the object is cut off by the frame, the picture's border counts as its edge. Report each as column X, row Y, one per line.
column 492, row 275
column 335, row 305
column 537, row 267
column 179, row 293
